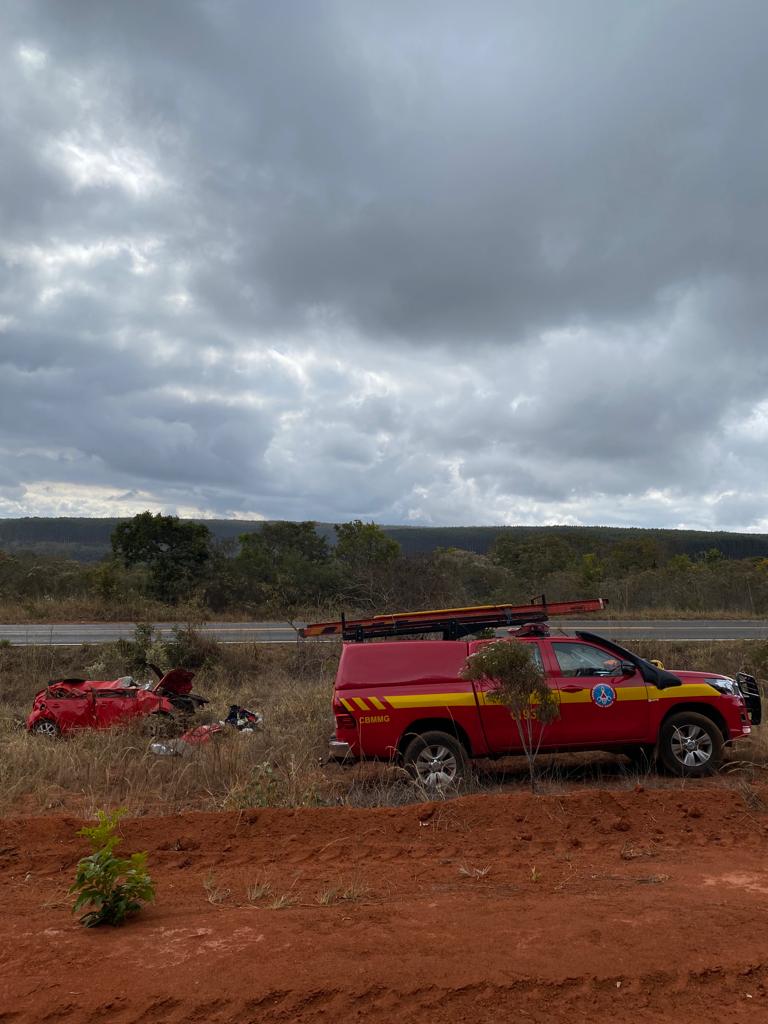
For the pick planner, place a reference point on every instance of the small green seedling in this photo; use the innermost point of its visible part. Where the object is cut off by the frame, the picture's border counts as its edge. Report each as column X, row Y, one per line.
column 115, row 886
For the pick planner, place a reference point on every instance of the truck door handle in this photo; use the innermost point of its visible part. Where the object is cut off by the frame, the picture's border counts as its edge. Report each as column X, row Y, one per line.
column 572, row 688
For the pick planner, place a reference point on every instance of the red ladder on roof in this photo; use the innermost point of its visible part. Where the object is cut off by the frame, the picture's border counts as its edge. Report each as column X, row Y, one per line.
column 453, row 623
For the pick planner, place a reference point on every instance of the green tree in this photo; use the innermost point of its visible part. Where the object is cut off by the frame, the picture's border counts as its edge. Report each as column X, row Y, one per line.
column 468, row 578
column 105, row 579
column 712, row 556
column 680, row 563
column 520, row 684
column 368, row 557
column 533, row 559
column 633, row 555
column 286, row 566
column 591, row 571
column 225, row 584
column 363, row 545
column 175, row 553
column 275, row 543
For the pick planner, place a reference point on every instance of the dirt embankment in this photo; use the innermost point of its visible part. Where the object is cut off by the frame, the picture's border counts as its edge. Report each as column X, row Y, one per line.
column 642, row 906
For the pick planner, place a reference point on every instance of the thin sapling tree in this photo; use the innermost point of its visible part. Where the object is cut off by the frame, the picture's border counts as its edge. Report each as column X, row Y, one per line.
column 519, row 683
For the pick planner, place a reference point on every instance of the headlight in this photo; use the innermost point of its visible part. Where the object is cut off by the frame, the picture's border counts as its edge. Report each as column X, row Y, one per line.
column 723, row 684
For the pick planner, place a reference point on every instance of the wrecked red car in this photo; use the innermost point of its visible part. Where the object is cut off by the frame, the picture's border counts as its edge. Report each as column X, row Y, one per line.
column 69, row 704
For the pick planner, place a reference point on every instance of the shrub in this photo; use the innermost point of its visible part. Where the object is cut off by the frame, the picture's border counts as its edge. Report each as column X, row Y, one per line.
column 189, row 648
column 517, row 682
column 115, row 886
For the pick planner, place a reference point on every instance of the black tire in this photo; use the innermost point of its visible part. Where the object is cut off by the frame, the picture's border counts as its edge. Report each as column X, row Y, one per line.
column 436, row 760
column 46, row 727
column 690, row 745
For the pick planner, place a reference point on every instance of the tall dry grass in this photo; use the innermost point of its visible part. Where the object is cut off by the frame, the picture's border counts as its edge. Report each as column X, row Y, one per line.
column 135, row 607
column 93, row 608
column 725, row 656
column 281, row 764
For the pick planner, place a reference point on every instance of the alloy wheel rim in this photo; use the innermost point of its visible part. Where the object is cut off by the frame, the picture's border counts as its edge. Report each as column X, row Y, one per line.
column 45, row 728
column 691, row 745
column 436, row 766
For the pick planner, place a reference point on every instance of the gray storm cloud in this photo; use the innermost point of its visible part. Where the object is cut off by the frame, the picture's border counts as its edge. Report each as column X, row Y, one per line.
column 430, row 263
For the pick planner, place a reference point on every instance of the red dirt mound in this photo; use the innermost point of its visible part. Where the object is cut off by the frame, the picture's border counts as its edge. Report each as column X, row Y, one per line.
column 641, row 906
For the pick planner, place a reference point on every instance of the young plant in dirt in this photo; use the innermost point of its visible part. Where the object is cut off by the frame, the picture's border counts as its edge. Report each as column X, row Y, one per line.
column 115, row 886
column 520, row 684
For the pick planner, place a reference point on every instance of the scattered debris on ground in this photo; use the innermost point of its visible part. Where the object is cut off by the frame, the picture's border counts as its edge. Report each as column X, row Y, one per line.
column 240, row 719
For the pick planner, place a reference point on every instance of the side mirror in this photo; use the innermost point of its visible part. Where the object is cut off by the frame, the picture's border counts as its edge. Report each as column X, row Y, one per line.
column 667, row 679
column 627, row 668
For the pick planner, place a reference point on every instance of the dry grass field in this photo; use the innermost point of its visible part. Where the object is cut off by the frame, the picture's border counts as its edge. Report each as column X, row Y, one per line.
column 280, row 766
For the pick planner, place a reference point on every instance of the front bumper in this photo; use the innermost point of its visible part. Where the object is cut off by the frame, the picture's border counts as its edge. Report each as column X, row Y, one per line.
column 750, row 691
column 338, row 750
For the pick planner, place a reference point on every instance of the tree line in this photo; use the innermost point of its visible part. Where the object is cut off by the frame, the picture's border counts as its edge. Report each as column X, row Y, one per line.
column 90, row 539
column 290, row 569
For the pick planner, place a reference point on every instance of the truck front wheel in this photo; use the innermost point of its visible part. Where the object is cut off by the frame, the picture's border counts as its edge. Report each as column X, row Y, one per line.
column 437, row 760
column 690, row 744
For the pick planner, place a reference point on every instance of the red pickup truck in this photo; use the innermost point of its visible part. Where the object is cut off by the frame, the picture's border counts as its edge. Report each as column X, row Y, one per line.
column 405, row 701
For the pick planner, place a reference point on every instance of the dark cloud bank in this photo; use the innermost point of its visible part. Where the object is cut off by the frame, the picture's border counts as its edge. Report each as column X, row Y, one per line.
column 436, row 263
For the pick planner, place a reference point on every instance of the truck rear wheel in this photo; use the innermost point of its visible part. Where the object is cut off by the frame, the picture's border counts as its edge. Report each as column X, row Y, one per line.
column 437, row 760
column 690, row 744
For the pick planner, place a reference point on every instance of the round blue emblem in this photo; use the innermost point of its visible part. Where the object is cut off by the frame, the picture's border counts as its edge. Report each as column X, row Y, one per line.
column 603, row 695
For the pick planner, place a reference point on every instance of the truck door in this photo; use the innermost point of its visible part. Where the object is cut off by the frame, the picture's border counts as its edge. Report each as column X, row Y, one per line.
column 501, row 729
column 599, row 704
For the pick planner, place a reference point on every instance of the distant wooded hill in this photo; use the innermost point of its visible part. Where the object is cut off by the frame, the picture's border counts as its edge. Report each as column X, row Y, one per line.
column 88, row 540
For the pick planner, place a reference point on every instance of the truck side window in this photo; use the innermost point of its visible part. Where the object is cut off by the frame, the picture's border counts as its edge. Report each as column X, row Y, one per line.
column 584, row 660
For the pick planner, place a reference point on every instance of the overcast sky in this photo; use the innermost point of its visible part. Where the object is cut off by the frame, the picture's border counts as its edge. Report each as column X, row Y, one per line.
column 429, row 263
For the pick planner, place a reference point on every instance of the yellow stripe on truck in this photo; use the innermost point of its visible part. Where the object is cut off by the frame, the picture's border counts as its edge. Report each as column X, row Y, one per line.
column 467, row 698
column 686, row 690
column 639, row 693
column 431, row 700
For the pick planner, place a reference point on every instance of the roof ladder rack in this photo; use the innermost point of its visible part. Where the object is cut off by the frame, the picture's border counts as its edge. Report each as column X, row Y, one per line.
column 453, row 623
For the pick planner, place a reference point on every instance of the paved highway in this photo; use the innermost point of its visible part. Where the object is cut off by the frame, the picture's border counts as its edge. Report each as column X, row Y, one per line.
column 282, row 632
column 101, row 632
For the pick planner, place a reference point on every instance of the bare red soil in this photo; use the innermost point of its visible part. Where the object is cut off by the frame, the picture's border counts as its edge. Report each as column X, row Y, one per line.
column 641, row 906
